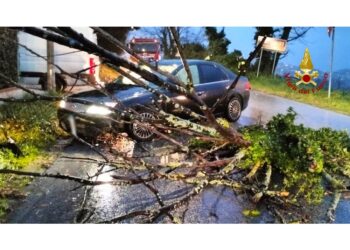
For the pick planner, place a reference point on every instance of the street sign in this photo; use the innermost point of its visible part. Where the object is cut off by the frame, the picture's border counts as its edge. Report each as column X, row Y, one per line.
column 273, row 44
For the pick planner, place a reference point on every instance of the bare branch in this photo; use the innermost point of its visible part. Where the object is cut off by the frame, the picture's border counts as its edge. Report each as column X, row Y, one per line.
column 56, row 176
column 183, row 59
column 298, row 33
column 235, row 81
column 120, row 45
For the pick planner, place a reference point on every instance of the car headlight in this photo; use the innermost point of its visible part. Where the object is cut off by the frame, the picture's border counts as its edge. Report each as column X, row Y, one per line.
column 62, row 104
column 71, row 106
column 110, row 104
column 98, row 110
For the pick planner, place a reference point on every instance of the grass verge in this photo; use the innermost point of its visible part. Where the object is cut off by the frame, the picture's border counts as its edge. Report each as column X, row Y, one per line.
column 339, row 101
column 34, row 128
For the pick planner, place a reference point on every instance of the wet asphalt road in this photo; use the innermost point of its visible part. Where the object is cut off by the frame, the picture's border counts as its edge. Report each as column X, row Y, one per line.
column 262, row 107
column 58, row 201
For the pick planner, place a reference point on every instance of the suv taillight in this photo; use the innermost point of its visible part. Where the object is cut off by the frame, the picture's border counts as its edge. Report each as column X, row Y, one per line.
column 247, row 86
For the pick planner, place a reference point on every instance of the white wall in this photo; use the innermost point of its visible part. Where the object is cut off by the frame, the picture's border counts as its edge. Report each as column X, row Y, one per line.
column 70, row 63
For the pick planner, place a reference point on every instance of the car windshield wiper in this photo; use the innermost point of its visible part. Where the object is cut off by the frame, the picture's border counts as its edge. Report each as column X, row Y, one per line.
column 119, row 86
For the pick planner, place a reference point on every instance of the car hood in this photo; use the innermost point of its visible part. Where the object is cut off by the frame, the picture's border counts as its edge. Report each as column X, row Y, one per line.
column 123, row 94
column 131, row 93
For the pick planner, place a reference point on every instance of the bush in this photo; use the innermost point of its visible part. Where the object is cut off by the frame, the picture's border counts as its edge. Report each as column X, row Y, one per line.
column 34, row 128
column 299, row 155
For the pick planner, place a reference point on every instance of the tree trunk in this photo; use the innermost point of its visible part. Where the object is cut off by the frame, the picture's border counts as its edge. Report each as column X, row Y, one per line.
column 284, row 36
column 8, row 54
column 267, row 58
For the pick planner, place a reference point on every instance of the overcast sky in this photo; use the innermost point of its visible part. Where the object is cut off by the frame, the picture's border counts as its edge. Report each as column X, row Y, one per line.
column 316, row 40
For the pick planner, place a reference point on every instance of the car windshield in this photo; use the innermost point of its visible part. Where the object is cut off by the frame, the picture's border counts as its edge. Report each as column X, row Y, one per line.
column 168, row 66
column 123, row 83
column 144, row 47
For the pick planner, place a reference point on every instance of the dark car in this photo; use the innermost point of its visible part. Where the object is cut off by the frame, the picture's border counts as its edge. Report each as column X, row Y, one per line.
column 211, row 81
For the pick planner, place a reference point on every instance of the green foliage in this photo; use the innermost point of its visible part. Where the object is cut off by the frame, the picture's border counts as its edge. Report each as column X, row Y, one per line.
column 194, row 51
column 8, row 183
column 335, row 147
column 264, row 31
column 218, row 49
column 299, row 155
column 34, row 127
column 3, row 207
column 223, row 122
column 218, row 42
column 230, row 60
column 251, row 213
column 195, row 143
column 257, row 151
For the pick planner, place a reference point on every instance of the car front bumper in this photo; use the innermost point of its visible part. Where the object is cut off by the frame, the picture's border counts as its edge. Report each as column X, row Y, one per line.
column 86, row 125
column 245, row 99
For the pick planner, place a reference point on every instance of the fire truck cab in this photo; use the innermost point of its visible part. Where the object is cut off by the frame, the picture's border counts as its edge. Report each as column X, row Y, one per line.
column 147, row 48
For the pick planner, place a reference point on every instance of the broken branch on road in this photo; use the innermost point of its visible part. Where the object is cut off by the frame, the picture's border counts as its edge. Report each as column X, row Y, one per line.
column 212, row 154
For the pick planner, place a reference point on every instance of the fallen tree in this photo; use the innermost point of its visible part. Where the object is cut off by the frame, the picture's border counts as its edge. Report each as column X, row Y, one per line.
column 281, row 164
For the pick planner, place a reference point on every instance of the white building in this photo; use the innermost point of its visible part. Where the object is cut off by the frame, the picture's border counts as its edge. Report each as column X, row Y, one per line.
column 71, row 60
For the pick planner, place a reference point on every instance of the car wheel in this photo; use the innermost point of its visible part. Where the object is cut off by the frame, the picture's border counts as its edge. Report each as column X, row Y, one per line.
column 141, row 133
column 234, row 109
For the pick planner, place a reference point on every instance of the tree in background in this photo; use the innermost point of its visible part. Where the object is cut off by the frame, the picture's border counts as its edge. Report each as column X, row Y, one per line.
column 218, row 48
column 195, row 50
column 231, row 60
column 218, row 42
column 118, row 32
column 194, row 44
column 290, row 34
column 8, row 54
column 267, row 57
column 107, row 74
column 192, row 41
column 166, row 40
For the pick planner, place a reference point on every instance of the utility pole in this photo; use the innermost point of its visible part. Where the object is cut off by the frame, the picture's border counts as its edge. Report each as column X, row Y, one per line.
column 51, row 84
column 331, row 63
column 274, row 64
column 261, row 53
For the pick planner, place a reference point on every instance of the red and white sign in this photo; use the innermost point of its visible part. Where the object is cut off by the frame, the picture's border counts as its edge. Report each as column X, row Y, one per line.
column 273, row 44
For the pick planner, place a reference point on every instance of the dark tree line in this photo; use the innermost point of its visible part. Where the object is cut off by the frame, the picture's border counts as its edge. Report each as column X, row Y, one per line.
column 8, row 55
column 208, row 43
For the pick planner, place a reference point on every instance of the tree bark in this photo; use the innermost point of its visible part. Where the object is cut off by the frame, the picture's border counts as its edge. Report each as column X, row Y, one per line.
column 284, row 36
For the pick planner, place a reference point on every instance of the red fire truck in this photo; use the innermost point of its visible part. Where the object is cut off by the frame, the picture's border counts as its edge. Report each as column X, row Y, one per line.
column 147, row 48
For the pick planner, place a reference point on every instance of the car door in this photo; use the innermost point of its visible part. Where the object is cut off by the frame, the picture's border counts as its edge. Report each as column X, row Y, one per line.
column 181, row 74
column 213, row 82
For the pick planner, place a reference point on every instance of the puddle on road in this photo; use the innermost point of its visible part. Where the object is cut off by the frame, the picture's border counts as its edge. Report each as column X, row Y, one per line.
column 105, row 190
column 105, row 196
